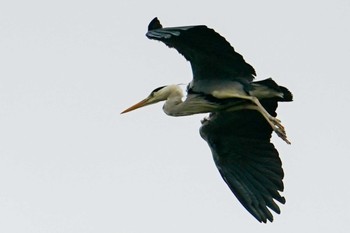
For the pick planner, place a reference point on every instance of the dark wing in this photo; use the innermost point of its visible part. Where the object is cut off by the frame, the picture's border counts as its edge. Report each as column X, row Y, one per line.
column 210, row 55
column 246, row 159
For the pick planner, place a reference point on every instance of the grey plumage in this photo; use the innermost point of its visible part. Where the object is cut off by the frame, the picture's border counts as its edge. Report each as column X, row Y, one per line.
column 242, row 113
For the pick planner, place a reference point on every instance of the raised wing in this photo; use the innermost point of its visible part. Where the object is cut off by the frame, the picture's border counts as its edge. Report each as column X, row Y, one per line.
column 246, row 159
column 210, row 55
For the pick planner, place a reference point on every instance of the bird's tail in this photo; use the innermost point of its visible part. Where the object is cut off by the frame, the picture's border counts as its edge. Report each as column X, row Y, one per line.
column 269, row 89
column 287, row 95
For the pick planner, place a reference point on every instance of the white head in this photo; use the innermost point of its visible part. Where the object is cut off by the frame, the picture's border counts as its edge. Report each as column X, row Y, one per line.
column 159, row 94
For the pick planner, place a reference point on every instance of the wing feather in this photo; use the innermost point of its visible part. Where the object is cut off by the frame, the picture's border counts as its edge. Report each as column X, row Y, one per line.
column 246, row 159
column 210, row 55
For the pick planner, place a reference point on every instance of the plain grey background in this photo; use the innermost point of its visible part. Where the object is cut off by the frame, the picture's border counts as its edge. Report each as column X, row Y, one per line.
column 69, row 162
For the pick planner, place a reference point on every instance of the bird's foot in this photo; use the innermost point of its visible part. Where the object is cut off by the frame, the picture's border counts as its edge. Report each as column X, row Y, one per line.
column 279, row 129
column 277, row 123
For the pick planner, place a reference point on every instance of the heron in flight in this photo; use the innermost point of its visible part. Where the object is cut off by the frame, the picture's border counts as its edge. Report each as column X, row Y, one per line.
column 242, row 113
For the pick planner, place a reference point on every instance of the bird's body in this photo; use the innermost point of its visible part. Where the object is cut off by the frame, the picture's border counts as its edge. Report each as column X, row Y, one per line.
column 242, row 113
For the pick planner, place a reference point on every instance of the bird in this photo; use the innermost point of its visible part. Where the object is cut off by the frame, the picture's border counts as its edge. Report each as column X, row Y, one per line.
column 242, row 113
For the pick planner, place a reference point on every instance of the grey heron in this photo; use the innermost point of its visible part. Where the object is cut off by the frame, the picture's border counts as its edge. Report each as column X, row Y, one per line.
column 242, row 113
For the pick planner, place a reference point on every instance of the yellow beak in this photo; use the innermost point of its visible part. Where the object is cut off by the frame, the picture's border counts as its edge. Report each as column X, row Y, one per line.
column 140, row 104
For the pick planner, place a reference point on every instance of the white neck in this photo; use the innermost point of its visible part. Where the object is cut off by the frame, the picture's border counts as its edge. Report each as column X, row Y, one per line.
column 174, row 106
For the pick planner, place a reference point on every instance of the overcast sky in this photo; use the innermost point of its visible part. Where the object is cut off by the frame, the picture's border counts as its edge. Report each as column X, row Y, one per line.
column 69, row 162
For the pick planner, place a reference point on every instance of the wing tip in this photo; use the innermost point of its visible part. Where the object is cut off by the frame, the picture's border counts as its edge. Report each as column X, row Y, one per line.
column 154, row 24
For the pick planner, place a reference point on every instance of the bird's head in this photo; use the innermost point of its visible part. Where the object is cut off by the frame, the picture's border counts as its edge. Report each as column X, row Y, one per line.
column 157, row 95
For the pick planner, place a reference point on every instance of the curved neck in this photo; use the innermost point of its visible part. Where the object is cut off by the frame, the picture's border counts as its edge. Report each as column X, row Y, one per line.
column 173, row 95
column 194, row 104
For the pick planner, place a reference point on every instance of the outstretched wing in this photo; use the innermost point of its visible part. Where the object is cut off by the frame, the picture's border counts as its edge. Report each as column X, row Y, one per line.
column 246, row 159
column 210, row 55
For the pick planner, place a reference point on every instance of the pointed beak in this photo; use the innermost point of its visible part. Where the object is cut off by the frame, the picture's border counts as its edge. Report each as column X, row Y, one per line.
column 140, row 104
